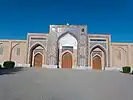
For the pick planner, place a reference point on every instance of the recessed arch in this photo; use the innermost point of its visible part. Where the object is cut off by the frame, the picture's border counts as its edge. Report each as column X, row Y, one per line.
column 16, row 49
column 67, row 41
column 64, row 34
column 67, row 51
column 121, row 49
column 104, row 55
column 38, row 52
column 33, row 47
column 120, row 56
column 16, row 46
column 96, row 55
column 67, row 33
column 97, row 46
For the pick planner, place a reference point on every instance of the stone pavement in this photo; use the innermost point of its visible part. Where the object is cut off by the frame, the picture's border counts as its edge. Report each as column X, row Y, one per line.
column 65, row 84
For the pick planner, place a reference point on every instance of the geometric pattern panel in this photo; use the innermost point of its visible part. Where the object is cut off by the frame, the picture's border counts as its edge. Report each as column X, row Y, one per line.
column 63, row 30
column 82, row 61
column 44, row 43
column 96, row 43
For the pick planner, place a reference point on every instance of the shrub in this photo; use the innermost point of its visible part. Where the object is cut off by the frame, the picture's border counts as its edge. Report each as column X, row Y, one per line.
column 126, row 69
column 132, row 72
column 0, row 66
column 9, row 64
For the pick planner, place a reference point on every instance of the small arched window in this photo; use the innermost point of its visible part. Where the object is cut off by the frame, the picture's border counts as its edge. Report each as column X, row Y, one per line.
column 119, row 55
column 18, row 52
column 82, row 30
column 1, row 50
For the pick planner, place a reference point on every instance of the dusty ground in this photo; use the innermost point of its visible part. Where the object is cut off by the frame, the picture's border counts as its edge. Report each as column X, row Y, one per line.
column 64, row 84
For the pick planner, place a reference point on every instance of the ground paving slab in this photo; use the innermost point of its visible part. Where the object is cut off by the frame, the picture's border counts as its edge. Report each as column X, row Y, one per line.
column 65, row 84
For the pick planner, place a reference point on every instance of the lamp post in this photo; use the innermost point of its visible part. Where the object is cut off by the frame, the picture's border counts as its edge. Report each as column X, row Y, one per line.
column 12, row 49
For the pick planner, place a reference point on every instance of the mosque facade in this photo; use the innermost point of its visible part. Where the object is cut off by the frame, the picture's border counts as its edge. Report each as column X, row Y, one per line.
column 67, row 46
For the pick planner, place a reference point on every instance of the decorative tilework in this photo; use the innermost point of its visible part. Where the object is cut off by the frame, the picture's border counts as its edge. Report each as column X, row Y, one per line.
column 95, row 43
column 97, row 36
column 70, row 48
column 38, row 50
column 42, row 42
column 97, row 52
column 67, row 29
column 38, row 38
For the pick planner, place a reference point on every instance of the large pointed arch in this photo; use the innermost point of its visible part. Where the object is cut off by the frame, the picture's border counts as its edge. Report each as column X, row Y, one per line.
column 103, row 50
column 121, row 49
column 59, row 57
column 67, row 33
column 37, row 45
column 31, row 52
column 117, row 60
column 97, row 46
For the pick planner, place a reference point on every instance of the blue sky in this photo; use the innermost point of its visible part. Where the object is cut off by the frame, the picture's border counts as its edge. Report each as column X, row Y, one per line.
column 17, row 17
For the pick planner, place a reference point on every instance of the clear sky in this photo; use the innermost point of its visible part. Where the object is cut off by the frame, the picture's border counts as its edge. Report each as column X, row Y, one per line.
column 17, row 17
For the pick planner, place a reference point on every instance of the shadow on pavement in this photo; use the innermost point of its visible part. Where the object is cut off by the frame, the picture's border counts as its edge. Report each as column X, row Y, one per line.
column 4, row 71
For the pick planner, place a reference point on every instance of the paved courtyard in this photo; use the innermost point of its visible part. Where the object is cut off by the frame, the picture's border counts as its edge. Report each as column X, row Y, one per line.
column 65, row 84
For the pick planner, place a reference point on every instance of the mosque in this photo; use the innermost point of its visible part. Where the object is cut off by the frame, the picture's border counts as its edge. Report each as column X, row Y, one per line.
column 67, row 46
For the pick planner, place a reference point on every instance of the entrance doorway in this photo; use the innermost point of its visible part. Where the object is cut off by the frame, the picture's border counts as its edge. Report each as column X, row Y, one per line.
column 67, row 60
column 97, row 62
column 38, row 60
